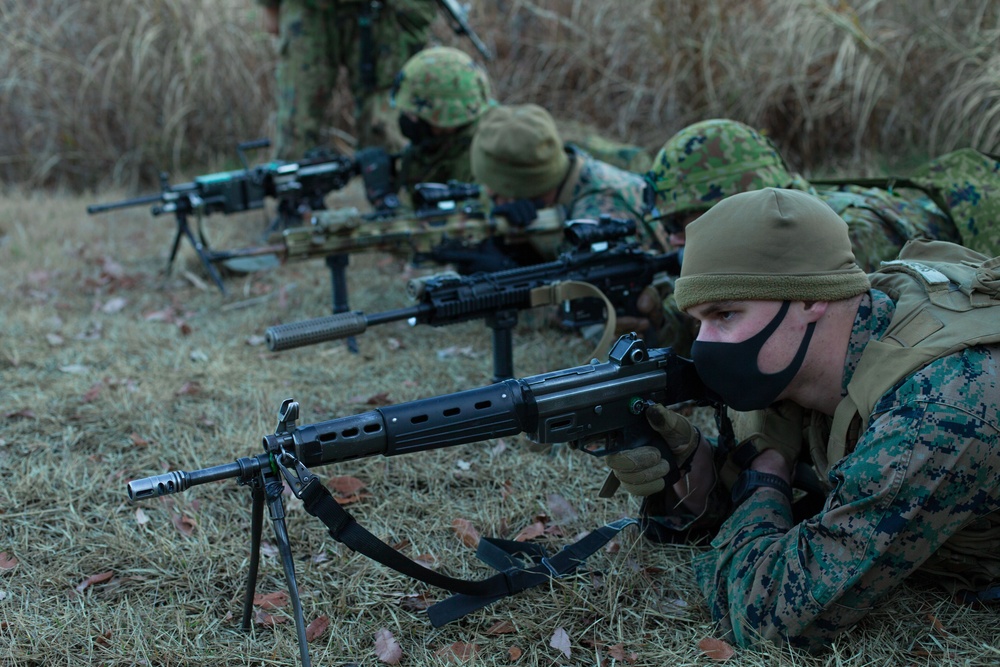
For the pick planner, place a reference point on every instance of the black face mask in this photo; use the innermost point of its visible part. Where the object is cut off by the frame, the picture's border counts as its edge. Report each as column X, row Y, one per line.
column 417, row 130
column 731, row 371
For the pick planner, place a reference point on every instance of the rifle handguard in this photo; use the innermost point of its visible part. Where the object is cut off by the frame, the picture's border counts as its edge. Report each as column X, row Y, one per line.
column 319, row 330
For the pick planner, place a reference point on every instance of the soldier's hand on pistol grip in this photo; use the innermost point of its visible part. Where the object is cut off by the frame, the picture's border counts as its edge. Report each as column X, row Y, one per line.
column 641, row 470
column 519, row 213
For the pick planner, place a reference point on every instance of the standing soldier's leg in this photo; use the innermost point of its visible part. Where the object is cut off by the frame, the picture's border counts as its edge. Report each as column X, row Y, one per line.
column 399, row 32
column 306, row 76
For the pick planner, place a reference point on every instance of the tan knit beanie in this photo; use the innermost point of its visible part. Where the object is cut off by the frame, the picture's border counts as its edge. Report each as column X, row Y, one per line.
column 517, row 152
column 769, row 245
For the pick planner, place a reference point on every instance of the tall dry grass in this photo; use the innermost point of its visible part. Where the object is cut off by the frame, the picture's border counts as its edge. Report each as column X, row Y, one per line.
column 111, row 93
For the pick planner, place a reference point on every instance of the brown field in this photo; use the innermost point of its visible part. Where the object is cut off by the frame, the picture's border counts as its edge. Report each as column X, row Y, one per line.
column 110, row 371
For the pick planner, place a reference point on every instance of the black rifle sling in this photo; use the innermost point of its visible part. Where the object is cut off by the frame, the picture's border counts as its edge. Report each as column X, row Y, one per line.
column 514, row 574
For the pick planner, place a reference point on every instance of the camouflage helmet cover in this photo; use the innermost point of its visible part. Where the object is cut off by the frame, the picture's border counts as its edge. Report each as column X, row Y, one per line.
column 710, row 160
column 443, row 86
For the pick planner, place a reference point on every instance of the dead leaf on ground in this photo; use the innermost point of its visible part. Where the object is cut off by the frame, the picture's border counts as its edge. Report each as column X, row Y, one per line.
column 427, row 560
column 94, row 579
column 184, row 524
column 415, row 602
column 515, row 653
column 501, row 628
column 530, row 532
column 140, row 517
column 387, row 648
column 114, row 305
column 378, row 400
column 617, row 652
column 466, row 531
column 561, row 508
column 91, row 394
column 316, row 629
column 458, row 652
column 189, row 389
column 166, row 315
column 267, row 620
column 560, row 641
column 345, row 485
column 20, row 414
column 274, row 600
column 7, row 561
column 716, row 649
column 936, row 624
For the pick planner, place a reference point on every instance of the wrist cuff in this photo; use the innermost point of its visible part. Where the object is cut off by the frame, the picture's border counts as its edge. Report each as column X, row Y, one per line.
column 751, row 480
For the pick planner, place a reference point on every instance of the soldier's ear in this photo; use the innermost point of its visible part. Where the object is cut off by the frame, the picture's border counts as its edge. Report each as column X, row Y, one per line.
column 814, row 310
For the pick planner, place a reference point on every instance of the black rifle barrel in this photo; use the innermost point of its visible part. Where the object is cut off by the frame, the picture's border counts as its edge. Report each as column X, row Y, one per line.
column 178, row 480
column 332, row 327
column 127, row 203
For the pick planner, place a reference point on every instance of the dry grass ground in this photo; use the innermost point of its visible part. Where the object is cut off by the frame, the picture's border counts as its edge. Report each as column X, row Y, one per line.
column 110, row 373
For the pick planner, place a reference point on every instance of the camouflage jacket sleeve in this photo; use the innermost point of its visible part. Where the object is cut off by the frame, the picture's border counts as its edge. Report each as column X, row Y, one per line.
column 595, row 187
column 880, row 223
column 926, row 466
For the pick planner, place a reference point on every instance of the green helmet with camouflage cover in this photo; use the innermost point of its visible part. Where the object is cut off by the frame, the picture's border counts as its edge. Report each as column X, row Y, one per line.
column 710, row 160
column 443, row 86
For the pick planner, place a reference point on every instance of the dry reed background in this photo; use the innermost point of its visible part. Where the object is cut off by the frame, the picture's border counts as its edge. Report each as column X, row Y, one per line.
column 109, row 373
column 95, row 93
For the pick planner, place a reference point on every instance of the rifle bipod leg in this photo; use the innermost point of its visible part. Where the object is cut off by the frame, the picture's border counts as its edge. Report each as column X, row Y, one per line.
column 268, row 486
column 502, row 324
column 183, row 230
column 338, row 284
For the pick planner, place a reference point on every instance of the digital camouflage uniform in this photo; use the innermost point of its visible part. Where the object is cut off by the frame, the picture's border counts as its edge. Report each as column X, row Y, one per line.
column 923, row 471
column 713, row 159
column 448, row 89
column 966, row 184
column 593, row 187
column 317, row 38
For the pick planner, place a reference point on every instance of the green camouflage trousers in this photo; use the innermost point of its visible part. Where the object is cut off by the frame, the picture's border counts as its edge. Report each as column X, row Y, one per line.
column 317, row 38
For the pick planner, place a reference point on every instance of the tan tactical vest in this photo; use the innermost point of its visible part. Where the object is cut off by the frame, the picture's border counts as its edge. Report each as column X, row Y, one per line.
column 946, row 300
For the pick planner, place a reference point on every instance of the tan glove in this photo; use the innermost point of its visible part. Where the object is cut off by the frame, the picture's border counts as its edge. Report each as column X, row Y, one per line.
column 641, row 470
column 779, row 426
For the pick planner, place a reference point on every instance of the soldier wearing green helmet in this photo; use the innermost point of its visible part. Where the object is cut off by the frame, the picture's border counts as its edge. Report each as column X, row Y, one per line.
column 714, row 159
column 439, row 95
